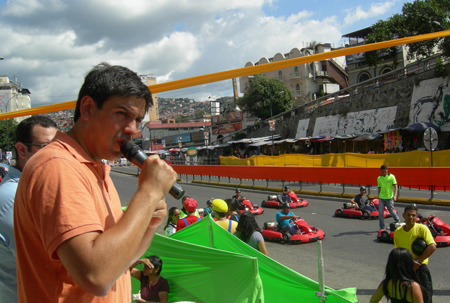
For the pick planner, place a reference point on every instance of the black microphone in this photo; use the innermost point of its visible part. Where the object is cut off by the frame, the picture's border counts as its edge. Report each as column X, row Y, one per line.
column 135, row 155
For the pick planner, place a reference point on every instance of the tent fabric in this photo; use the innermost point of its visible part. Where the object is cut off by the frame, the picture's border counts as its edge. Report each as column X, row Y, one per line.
column 202, row 263
column 200, row 274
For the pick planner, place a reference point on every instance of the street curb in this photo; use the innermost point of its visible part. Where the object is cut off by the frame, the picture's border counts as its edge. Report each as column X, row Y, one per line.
column 323, row 193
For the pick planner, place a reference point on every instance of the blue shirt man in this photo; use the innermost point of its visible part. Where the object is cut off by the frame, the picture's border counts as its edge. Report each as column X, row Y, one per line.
column 32, row 134
column 8, row 283
column 284, row 217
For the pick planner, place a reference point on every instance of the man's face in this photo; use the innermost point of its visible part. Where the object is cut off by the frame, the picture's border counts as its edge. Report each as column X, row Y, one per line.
column 117, row 121
column 362, row 191
column 384, row 172
column 286, row 210
column 238, row 194
column 410, row 217
column 39, row 135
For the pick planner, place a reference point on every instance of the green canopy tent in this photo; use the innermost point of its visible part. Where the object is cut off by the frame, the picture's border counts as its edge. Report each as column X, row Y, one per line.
column 205, row 263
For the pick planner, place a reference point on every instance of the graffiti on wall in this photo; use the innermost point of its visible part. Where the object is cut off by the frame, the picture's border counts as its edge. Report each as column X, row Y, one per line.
column 356, row 123
column 430, row 102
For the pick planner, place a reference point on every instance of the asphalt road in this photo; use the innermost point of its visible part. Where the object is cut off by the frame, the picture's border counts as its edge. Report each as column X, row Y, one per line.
column 352, row 255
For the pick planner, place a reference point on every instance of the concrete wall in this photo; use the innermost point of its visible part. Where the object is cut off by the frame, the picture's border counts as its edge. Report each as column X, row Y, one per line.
column 398, row 94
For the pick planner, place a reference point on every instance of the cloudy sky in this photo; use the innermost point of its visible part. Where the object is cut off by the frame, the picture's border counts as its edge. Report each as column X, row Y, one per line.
column 49, row 45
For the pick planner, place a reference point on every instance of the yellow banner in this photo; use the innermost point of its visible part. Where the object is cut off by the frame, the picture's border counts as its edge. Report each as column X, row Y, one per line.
column 407, row 159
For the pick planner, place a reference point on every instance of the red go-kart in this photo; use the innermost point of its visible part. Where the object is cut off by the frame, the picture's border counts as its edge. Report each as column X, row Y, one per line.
column 439, row 229
column 275, row 201
column 272, row 231
column 350, row 212
column 245, row 204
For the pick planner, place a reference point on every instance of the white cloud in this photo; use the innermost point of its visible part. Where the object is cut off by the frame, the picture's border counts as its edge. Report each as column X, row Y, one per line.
column 376, row 9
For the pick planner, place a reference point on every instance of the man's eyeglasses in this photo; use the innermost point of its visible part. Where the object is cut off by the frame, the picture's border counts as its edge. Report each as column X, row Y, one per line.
column 42, row 145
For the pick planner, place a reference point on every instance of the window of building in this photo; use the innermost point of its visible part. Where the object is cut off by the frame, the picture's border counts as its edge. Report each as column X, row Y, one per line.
column 364, row 76
column 385, row 70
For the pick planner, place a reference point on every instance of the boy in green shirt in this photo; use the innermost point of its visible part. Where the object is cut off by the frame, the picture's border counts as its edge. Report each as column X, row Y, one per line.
column 386, row 195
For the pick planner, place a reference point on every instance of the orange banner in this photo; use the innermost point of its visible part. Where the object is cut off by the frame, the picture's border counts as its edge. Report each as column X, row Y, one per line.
column 406, row 176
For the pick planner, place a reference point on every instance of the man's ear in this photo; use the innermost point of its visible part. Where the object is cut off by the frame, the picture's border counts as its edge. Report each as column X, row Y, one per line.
column 22, row 150
column 87, row 107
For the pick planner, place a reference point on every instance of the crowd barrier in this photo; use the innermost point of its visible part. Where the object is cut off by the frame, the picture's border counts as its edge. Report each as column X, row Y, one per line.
column 424, row 177
column 406, row 159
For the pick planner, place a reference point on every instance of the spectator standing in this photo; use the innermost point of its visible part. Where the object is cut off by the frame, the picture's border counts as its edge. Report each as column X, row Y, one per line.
column 220, row 208
column 32, row 134
column 172, row 219
column 154, row 288
column 249, row 232
column 208, row 208
column 74, row 243
column 183, row 212
column 387, row 194
column 401, row 282
column 405, row 236
column 190, row 205
column 234, row 213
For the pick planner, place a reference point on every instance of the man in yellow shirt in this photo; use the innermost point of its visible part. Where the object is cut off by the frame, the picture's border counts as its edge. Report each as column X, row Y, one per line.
column 405, row 236
column 220, row 208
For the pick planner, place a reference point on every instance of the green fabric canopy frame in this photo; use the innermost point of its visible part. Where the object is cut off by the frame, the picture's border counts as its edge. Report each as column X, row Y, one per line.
column 205, row 263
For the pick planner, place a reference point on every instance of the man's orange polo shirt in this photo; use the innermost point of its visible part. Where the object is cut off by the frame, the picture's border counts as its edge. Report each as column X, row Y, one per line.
column 62, row 193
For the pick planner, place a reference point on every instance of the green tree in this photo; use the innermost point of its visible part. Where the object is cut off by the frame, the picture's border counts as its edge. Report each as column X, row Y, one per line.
column 200, row 113
column 417, row 18
column 12, row 125
column 261, row 94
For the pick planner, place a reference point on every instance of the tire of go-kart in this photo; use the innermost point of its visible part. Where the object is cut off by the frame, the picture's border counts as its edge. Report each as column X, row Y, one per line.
column 339, row 212
column 263, row 203
column 385, row 236
column 365, row 215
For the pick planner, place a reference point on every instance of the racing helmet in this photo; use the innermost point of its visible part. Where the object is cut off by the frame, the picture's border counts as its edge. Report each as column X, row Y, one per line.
column 238, row 190
column 286, row 188
column 362, row 187
column 418, row 246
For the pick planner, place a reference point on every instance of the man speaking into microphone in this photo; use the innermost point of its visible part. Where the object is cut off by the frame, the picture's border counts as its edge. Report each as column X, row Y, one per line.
column 73, row 242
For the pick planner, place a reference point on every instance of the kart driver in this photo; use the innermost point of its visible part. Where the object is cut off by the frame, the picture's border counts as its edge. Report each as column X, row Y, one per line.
column 288, row 196
column 284, row 218
column 361, row 201
column 238, row 195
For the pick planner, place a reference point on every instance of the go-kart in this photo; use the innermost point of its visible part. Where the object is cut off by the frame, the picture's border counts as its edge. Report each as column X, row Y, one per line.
column 347, row 211
column 274, row 201
column 245, row 204
column 272, row 231
column 387, row 235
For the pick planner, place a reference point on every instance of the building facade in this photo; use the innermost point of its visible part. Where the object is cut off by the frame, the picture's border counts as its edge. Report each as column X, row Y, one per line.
column 357, row 68
column 306, row 81
column 13, row 97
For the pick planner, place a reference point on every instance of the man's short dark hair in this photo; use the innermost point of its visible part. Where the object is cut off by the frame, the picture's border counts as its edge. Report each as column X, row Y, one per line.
column 25, row 128
column 384, row 166
column 411, row 207
column 105, row 81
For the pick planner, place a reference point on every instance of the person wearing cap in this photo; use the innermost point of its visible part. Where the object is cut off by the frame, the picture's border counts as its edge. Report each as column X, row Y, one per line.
column 190, row 205
column 288, row 196
column 238, row 196
column 405, row 236
column 284, row 218
column 183, row 212
column 361, row 201
column 220, row 208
